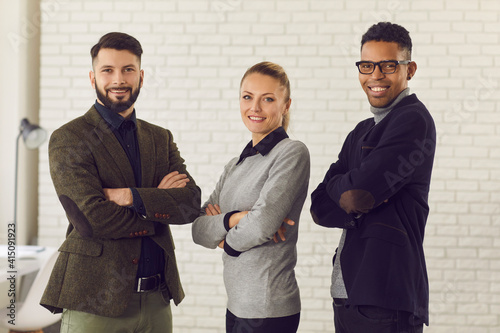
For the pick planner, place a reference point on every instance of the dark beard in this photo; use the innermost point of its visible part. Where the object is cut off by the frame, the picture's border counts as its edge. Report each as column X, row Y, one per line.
column 118, row 106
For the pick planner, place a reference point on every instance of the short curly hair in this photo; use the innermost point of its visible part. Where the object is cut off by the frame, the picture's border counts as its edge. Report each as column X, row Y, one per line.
column 389, row 32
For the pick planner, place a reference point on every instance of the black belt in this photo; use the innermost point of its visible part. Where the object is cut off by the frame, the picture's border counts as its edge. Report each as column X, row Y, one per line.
column 339, row 301
column 147, row 283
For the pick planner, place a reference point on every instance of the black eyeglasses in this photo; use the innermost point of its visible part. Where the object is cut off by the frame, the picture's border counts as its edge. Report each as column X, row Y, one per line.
column 385, row 66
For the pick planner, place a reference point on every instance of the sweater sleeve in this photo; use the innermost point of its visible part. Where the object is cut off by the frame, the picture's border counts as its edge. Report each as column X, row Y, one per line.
column 288, row 180
column 209, row 231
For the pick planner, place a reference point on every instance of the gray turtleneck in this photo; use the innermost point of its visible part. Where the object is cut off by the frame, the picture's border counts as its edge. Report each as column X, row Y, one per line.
column 337, row 289
column 380, row 113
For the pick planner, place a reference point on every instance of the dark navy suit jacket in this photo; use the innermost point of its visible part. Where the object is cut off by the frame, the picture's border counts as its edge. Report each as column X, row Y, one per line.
column 383, row 260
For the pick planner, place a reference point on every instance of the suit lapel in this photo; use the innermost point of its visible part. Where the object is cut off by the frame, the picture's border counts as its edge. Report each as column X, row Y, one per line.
column 110, row 143
column 147, row 150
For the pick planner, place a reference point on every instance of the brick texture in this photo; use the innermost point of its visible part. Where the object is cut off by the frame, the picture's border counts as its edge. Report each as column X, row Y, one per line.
column 195, row 52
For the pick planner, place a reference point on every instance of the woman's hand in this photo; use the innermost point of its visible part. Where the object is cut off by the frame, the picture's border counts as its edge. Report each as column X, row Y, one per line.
column 281, row 231
column 212, row 210
column 236, row 217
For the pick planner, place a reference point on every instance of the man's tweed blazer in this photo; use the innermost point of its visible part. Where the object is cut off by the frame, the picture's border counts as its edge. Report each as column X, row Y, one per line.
column 97, row 265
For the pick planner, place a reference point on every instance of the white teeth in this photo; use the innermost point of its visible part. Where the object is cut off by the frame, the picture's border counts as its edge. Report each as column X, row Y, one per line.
column 378, row 88
column 256, row 118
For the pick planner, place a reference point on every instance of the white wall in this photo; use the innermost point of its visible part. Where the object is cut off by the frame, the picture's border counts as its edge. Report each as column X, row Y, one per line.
column 195, row 52
column 19, row 98
column 8, row 106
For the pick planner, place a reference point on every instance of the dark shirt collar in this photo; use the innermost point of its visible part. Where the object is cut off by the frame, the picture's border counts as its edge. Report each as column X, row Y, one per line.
column 265, row 145
column 113, row 118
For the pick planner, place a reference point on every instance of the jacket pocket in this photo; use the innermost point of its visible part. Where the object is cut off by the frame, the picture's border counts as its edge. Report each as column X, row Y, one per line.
column 386, row 233
column 82, row 246
column 367, row 147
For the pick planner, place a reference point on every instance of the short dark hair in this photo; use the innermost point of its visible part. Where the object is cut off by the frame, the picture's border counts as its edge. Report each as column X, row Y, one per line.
column 117, row 41
column 389, row 32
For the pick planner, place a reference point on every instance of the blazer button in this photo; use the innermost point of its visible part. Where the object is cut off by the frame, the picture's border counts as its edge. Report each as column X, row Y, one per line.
column 145, row 232
column 164, row 216
column 135, row 261
column 157, row 215
column 131, row 234
column 136, row 233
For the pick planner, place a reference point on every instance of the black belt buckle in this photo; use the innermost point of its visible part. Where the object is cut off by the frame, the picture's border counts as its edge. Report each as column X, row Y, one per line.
column 339, row 301
column 148, row 283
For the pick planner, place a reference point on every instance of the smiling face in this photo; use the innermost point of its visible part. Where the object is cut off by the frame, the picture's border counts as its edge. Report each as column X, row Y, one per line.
column 380, row 88
column 262, row 105
column 117, row 79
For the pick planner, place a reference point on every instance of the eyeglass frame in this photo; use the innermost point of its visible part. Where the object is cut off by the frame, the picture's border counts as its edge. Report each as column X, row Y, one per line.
column 375, row 64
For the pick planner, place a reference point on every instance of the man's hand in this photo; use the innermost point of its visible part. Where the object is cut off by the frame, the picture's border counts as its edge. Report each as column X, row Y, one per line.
column 123, row 196
column 120, row 196
column 281, row 231
column 356, row 201
column 174, row 180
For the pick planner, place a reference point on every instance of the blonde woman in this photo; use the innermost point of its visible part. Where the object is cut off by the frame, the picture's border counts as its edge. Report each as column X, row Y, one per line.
column 258, row 192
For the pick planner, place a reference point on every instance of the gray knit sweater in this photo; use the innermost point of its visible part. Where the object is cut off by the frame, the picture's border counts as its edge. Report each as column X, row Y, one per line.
column 260, row 282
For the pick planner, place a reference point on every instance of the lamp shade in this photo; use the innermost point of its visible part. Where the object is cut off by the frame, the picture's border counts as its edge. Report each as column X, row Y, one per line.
column 33, row 135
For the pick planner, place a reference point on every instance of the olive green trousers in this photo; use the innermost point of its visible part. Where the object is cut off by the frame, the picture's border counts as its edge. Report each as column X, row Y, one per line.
column 146, row 313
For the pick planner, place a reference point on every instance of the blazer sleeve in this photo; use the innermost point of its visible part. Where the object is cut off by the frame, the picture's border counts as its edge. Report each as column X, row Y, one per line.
column 399, row 153
column 288, row 180
column 172, row 206
column 324, row 210
column 78, row 185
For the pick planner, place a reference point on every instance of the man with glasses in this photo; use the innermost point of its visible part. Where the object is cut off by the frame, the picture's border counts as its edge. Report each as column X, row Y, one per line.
column 377, row 193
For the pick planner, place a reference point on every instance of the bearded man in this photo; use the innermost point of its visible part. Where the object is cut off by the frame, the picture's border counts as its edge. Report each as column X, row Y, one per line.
column 122, row 182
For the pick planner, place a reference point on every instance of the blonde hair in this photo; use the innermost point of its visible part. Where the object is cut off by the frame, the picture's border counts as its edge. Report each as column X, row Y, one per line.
column 275, row 71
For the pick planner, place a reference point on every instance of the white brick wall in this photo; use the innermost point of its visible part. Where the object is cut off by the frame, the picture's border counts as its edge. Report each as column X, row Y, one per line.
column 195, row 55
